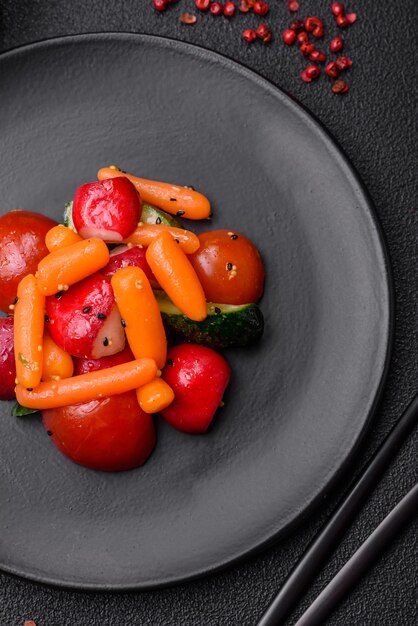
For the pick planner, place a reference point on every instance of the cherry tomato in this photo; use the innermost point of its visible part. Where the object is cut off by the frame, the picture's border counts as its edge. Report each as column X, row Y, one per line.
column 22, row 246
column 198, row 376
column 229, row 267
column 112, row 434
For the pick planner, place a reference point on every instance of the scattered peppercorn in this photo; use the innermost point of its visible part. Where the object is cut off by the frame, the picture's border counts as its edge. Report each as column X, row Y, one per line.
column 303, row 37
column 202, row 5
column 229, row 9
column 340, row 86
column 289, row 37
column 351, row 17
column 337, row 8
column 216, row 8
column 249, row 35
column 306, row 49
column 263, row 33
column 332, row 70
column 160, row 5
column 343, row 63
column 261, row 8
column 188, row 18
column 336, row 44
column 342, row 21
column 317, row 55
column 244, row 6
column 297, row 25
column 312, row 71
column 293, row 6
column 312, row 22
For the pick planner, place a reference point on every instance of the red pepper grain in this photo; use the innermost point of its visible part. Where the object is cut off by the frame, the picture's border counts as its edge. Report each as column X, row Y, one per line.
column 297, row 25
column 351, row 17
column 289, row 37
column 302, row 37
column 244, row 6
column 229, row 9
column 343, row 63
column 262, row 31
column 318, row 32
column 306, row 49
column 293, row 6
column 216, row 8
column 312, row 71
column 317, row 55
column 160, row 5
column 337, row 8
column 249, row 35
column 202, row 5
column 336, row 44
column 332, row 70
column 312, row 22
column 261, row 8
column 29, row 622
column 305, row 77
column 342, row 21
column 267, row 38
column 188, row 18
column 340, row 86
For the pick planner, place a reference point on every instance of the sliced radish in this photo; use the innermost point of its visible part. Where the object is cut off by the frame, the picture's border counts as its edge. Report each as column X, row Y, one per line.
column 108, row 209
column 84, row 320
column 84, row 366
column 125, row 256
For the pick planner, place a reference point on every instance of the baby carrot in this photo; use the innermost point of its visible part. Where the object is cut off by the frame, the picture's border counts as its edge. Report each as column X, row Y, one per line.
column 175, row 274
column 60, row 237
column 66, row 266
column 28, row 332
column 174, row 199
column 140, row 313
column 155, row 396
column 57, row 363
column 145, row 234
column 87, row 387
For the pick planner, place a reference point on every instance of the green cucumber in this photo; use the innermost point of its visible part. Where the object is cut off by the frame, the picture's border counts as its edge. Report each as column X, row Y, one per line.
column 68, row 216
column 226, row 326
column 20, row 411
column 151, row 215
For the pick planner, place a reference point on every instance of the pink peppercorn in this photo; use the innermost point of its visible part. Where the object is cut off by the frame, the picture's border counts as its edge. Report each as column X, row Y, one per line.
column 336, row 44
column 340, row 86
column 216, row 8
column 312, row 71
column 160, row 5
column 202, row 5
column 337, row 8
column 293, row 6
column 306, row 49
column 249, row 35
column 302, row 37
column 317, row 55
column 229, row 9
column 289, row 37
column 332, row 70
column 343, row 63
column 342, row 21
column 351, row 17
column 305, row 77
column 261, row 8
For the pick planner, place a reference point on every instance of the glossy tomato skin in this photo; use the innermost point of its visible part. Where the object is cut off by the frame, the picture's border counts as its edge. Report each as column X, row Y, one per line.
column 109, row 209
column 198, row 376
column 22, row 246
column 112, row 434
column 84, row 366
column 229, row 267
column 7, row 359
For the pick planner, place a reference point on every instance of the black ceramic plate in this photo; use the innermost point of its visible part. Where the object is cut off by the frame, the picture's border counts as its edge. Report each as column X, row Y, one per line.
column 299, row 401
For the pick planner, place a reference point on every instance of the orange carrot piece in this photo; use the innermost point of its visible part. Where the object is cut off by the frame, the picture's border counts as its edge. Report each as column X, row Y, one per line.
column 176, row 275
column 87, row 387
column 28, row 332
column 60, row 236
column 145, row 234
column 170, row 198
column 155, row 396
column 66, row 266
column 57, row 363
column 140, row 313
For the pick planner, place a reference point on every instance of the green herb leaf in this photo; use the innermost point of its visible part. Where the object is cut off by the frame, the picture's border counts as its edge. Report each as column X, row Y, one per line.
column 20, row 411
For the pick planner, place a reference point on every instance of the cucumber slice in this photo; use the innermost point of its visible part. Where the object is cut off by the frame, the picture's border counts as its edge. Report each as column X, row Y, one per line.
column 68, row 216
column 226, row 326
column 151, row 215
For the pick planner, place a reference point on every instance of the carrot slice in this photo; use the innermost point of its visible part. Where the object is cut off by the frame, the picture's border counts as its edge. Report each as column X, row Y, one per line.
column 174, row 199
column 155, row 396
column 66, row 266
column 141, row 314
column 57, row 363
column 87, row 387
column 145, row 234
column 176, row 275
column 60, row 236
column 28, row 332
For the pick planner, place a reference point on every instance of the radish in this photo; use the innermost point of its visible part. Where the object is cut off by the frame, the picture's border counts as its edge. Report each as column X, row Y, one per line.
column 125, row 256
column 84, row 366
column 84, row 320
column 108, row 209
column 7, row 359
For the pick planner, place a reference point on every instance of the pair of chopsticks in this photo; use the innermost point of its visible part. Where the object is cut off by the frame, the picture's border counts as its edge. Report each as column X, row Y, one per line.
column 323, row 545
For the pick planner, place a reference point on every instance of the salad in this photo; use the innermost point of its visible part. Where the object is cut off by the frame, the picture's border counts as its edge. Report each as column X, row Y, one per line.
column 120, row 313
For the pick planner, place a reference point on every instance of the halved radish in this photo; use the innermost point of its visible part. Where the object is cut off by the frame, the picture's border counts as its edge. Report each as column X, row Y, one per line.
column 83, row 366
column 85, row 321
column 129, row 256
column 109, row 209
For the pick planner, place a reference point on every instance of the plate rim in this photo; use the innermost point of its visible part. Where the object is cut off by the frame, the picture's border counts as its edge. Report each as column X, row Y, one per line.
column 338, row 152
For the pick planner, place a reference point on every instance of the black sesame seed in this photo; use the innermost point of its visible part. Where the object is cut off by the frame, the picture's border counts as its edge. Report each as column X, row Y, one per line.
column 105, row 342
column 229, row 266
column 46, row 318
column 101, row 316
column 16, row 300
column 158, row 220
column 177, row 241
column 173, row 199
column 87, row 309
column 217, row 310
column 49, row 433
column 29, row 388
column 58, row 295
column 234, row 236
column 123, row 323
column 170, row 362
column 180, row 213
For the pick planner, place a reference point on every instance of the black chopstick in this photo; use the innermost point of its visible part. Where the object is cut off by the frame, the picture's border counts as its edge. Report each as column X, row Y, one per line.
column 362, row 559
column 323, row 545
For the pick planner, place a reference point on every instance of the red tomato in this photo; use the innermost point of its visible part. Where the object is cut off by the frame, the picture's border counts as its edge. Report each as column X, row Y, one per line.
column 112, row 434
column 7, row 359
column 229, row 267
column 198, row 376
column 22, row 246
